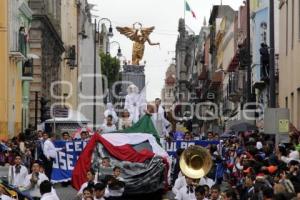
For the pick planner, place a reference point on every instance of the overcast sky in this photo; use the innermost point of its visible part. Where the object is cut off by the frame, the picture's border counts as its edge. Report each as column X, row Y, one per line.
column 164, row 15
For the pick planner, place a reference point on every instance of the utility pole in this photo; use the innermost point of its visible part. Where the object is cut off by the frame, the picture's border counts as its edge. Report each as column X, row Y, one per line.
column 272, row 103
column 95, row 72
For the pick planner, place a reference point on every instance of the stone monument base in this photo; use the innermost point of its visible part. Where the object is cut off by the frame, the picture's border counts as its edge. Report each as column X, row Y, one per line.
column 133, row 74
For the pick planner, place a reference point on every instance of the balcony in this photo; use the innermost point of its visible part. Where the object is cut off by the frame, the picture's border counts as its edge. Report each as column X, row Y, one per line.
column 27, row 69
column 234, row 88
column 259, row 77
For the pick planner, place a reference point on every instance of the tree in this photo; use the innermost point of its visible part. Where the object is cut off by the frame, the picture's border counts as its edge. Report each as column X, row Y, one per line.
column 110, row 67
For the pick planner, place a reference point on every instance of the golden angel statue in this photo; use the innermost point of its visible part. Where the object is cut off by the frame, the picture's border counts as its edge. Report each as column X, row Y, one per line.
column 139, row 36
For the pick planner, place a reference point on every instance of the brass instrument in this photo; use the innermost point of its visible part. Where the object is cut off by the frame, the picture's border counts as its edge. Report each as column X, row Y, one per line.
column 195, row 162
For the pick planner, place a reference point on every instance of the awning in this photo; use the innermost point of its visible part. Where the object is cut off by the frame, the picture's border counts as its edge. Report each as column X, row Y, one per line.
column 234, row 63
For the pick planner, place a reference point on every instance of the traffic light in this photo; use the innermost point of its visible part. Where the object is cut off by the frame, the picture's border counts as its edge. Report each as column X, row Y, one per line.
column 44, row 109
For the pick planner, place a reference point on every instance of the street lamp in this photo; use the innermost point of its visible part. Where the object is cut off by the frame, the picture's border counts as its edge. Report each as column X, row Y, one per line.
column 109, row 34
column 119, row 54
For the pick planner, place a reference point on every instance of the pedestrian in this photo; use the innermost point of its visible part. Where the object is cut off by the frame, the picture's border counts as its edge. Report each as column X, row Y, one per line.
column 114, row 189
column 105, row 163
column 84, row 135
column 117, row 173
column 99, row 191
column 88, row 193
column 108, row 126
column 46, row 191
column 32, row 181
column 65, row 136
column 215, row 193
column 200, row 193
column 230, row 195
column 125, row 121
column 187, row 192
column 17, row 173
column 110, row 111
column 91, row 181
column 50, row 153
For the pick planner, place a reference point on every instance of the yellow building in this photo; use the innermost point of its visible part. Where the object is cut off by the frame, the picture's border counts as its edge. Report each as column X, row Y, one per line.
column 289, row 61
column 10, row 73
column 3, row 67
column 69, row 68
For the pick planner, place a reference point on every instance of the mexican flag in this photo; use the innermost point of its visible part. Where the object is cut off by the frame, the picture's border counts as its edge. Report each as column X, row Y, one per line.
column 188, row 8
column 144, row 163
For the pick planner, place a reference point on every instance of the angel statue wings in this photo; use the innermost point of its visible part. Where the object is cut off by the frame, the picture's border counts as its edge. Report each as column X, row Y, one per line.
column 139, row 36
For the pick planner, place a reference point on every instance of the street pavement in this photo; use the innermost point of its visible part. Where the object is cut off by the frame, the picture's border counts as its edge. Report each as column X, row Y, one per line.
column 65, row 193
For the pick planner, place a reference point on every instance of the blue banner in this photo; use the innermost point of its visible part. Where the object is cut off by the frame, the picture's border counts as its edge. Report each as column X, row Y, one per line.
column 66, row 159
column 172, row 147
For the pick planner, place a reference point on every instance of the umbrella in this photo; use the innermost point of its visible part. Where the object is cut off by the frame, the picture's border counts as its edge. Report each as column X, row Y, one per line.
column 243, row 126
column 227, row 134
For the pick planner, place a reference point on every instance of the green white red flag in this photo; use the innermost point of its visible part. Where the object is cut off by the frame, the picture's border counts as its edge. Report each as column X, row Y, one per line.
column 188, row 8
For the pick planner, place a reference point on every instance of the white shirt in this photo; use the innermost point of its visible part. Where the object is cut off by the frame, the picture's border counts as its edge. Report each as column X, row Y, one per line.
column 108, row 129
column 113, row 193
column 17, row 179
column 206, row 181
column 49, row 196
column 5, row 197
column 160, row 122
column 49, row 149
column 34, row 190
column 179, row 183
column 84, row 185
column 111, row 111
column 134, row 103
column 124, row 123
column 184, row 195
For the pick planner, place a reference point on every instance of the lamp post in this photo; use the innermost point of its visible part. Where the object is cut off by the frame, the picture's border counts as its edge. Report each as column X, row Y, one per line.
column 119, row 54
column 109, row 34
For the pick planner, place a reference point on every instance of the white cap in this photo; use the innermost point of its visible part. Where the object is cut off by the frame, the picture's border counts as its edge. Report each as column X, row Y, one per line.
column 259, row 145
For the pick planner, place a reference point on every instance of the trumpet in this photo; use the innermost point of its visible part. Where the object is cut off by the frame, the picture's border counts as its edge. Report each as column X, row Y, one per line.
column 195, row 162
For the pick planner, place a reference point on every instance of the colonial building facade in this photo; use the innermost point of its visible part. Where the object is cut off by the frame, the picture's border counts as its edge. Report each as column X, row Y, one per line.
column 45, row 42
column 289, row 62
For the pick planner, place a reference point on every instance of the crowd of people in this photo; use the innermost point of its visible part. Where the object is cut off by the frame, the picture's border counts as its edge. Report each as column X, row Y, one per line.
column 246, row 165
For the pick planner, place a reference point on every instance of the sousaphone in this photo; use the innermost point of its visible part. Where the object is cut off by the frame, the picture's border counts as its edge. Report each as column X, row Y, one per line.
column 195, row 162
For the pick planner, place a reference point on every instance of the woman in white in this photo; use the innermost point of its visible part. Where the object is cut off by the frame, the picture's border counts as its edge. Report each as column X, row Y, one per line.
column 125, row 121
column 110, row 111
column 135, row 103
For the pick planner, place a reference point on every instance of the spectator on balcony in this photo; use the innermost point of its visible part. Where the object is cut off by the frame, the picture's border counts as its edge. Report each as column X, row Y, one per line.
column 264, row 60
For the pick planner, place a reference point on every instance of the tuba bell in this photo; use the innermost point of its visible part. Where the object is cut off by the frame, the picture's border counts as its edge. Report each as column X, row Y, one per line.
column 195, row 162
